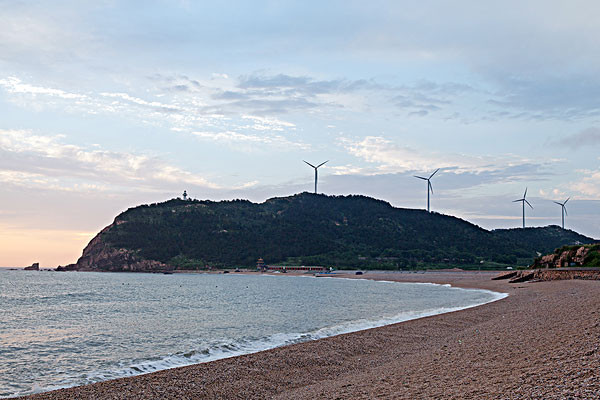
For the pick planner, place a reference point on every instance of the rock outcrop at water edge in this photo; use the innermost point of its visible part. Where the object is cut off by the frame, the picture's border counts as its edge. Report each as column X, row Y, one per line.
column 33, row 267
column 100, row 256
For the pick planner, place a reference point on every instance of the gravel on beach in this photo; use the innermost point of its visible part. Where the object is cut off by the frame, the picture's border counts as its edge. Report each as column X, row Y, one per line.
column 541, row 342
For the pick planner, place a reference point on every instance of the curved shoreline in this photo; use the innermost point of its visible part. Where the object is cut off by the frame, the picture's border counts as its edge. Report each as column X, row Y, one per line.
column 484, row 351
column 240, row 348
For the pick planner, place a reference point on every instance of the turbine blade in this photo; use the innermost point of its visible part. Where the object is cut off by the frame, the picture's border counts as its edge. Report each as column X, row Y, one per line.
column 566, row 213
column 566, row 200
column 560, row 204
column 514, row 201
column 420, row 177
column 434, row 172
column 322, row 163
column 525, row 194
column 430, row 187
column 528, row 203
column 309, row 163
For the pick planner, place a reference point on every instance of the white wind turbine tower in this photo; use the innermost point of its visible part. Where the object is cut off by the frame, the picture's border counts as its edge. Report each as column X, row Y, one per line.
column 524, row 200
column 564, row 210
column 429, row 187
column 316, row 168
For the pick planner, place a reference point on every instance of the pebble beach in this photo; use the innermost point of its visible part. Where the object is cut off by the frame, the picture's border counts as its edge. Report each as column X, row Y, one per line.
column 542, row 341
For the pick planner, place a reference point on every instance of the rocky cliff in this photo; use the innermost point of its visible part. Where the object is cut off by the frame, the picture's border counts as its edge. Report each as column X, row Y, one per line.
column 570, row 256
column 100, row 256
column 567, row 262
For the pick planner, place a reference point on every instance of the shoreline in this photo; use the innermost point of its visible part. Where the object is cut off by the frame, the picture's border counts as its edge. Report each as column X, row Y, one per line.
column 341, row 328
column 450, row 355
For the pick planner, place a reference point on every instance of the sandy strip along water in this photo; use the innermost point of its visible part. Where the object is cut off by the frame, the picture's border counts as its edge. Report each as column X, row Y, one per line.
column 542, row 341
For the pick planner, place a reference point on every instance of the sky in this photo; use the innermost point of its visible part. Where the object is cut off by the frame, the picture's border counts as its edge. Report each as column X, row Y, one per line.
column 106, row 105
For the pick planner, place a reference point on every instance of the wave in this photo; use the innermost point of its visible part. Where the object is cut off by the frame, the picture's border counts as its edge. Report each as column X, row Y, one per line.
column 231, row 348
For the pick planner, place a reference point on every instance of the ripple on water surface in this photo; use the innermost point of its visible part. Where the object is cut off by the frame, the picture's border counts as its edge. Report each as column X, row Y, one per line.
column 66, row 329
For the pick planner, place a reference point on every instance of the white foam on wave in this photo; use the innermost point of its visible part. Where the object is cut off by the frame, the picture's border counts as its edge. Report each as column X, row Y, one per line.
column 226, row 349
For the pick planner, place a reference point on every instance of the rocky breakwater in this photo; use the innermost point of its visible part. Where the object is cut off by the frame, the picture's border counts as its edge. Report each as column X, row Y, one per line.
column 99, row 255
column 547, row 274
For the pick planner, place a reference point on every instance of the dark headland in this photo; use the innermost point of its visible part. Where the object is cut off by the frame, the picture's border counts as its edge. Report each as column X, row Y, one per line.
column 355, row 232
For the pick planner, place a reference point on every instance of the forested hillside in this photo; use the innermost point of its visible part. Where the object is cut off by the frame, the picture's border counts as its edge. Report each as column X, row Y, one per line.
column 343, row 231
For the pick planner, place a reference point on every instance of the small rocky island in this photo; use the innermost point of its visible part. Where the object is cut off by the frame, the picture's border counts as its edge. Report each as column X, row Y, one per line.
column 32, row 267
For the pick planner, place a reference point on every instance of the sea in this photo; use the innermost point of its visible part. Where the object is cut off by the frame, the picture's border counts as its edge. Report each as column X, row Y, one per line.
column 62, row 329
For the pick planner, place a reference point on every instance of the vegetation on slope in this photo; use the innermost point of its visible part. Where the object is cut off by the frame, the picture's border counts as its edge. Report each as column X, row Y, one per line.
column 309, row 229
column 570, row 256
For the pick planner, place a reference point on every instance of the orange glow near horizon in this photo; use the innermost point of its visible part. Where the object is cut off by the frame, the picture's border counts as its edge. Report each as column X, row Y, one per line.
column 22, row 247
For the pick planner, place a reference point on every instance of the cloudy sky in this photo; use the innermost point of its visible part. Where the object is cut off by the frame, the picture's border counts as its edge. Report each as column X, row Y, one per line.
column 106, row 105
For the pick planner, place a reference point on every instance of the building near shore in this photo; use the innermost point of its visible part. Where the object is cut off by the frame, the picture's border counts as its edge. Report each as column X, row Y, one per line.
column 285, row 268
column 263, row 267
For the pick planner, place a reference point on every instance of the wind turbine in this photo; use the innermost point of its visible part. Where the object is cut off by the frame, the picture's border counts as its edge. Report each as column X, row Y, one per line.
column 524, row 200
column 429, row 187
column 317, row 167
column 564, row 210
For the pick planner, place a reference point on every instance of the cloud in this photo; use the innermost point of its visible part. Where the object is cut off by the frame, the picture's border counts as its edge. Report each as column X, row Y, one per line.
column 182, row 112
column 554, row 194
column 33, row 36
column 425, row 97
column 270, row 106
column 236, row 138
column 15, row 85
column 29, row 159
column 185, row 104
column 177, row 83
column 216, row 75
column 589, row 185
column 387, row 157
column 542, row 97
column 585, row 138
column 288, row 85
column 289, row 92
column 267, row 123
column 545, row 67
column 420, row 113
column 154, row 105
column 20, row 177
column 391, row 157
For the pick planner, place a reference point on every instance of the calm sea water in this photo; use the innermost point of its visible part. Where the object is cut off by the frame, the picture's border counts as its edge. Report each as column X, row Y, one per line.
column 66, row 329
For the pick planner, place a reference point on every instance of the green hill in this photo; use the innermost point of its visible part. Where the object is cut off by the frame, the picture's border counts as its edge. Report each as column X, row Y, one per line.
column 309, row 229
column 534, row 240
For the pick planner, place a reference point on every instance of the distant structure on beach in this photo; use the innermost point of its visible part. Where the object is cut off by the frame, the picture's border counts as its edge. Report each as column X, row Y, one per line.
column 564, row 210
column 285, row 268
column 524, row 200
column 262, row 267
column 429, row 187
column 317, row 167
